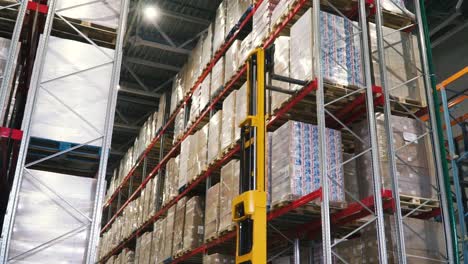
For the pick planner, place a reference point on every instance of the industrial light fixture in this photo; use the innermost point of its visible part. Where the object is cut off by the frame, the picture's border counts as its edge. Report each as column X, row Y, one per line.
column 150, row 12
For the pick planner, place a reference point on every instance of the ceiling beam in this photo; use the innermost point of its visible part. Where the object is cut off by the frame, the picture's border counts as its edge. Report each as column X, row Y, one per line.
column 153, row 64
column 141, row 42
column 124, row 127
column 134, row 100
column 127, row 90
column 184, row 17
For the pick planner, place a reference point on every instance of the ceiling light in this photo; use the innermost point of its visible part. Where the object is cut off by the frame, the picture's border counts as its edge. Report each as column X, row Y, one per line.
column 150, row 12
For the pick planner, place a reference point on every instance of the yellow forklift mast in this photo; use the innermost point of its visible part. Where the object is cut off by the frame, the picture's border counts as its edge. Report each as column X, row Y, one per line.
column 249, row 208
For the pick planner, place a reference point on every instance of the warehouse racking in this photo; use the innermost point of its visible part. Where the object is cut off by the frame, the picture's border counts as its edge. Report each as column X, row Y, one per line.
column 351, row 105
column 42, row 195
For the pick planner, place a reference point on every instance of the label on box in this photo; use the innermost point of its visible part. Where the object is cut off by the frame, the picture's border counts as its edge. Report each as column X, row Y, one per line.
column 200, row 230
column 410, row 137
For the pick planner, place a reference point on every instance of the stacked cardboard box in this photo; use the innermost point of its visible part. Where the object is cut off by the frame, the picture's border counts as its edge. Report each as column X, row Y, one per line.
column 232, row 60
column 415, row 178
column 143, row 248
column 178, row 92
column 171, row 189
column 159, row 230
column 200, row 98
column 178, row 243
column 212, row 211
column 424, row 243
column 229, row 189
column 295, row 162
column 193, row 65
column 241, row 110
column 281, row 67
column 219, row 27
column 184, row 161
column 159, row 118
column 207, row 50
column 235, row 10
column 179, row 124
column 169, row 233
column 246, row 47
column 341, row 52
column 218, row 259
column 193, row 227
column 228, row 121
column 197, row 159
column 217, row 81
column 403, row 63
column 214, row 136
column 281, row 8
column 262, row 20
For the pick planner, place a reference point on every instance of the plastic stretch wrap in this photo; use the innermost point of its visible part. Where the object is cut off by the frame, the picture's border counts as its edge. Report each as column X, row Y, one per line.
column 178, row 89
column 341, row 53
column 218, row 259
column 217, row 77
column 403, row 63
column 169, row 233
column 199, row 160
column 245, row 48
column 396, row 6
column 295, row 162
column 235, row 10
column 281, row 8
column 219, row 27
column 281, row 60
column 350, row 177
column 143, row 248
column 214, row 139
column 179, row 124
column 171, row 189
column 261, row 21
column 184, row 161
column 241, row 110
column 413, row 172
column 212, row 211
column 228, row 121
column 232, row 60
column 207, row 49
column 424, row 243
column 193, row 65
column 229, row 189
column 193, row 227
column 158, row 238
column 160, row 118
column 179, row 222
column 200, row 98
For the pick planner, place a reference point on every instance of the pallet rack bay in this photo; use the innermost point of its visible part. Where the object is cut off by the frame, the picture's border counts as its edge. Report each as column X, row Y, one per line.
column 375, row 102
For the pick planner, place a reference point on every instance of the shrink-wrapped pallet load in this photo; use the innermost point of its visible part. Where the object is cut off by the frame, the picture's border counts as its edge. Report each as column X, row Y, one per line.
column 169, row 233
column 193, row 64
column 246, row 47
column 193, row 227
column 207, row 50
column 200, row 98
column 218, row 259
column 235, row 10
column 402, row 63
column 178, row 91
column 241, row 110
column 295, row 161
column 128, row 257
column 214, row 136
column 217, row 78
column 261, row 21
column 184, row 161
column 160, row 119
column 199, row 151
column 341, row 53
column 179, row 222
column 171, row 189
column 415, row 178
column 179, row 124
column 231, row 58
column 424, row 241
column 219, row 27
column 212, row 212
column 159, row 239
column 228, row 121
column 281, row 67
column 229, row 189
column 281, row 8
column 144, row 248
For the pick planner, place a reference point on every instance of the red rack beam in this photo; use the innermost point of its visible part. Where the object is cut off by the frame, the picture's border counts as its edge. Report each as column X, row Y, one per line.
column 14, row 134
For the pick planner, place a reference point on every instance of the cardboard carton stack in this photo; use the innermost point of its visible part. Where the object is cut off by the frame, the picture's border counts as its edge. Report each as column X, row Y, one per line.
column 229, row 189
column 281, row 67
column 194, row 226
column 241, row 110
column 217, row 81
column 184, row 161
column 295, row 162
column 171, row 189
column 159, row 229
column 262, row 20
column 207, row 49
column 200, row 99
column 212, row 211
column 414, row 174
column 228, row 121
column 232, row 60
column 197, row 159
column 235, row 10
column 179, row 124
column 178, row 242
column 169, row 233
column 219, row 27
column 214, row 139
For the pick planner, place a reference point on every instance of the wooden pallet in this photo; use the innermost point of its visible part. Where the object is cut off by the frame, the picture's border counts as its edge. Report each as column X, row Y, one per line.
column 180, row 253
column 422, row 204
column 227, row 229
column 227, row 149
column 212, row 238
